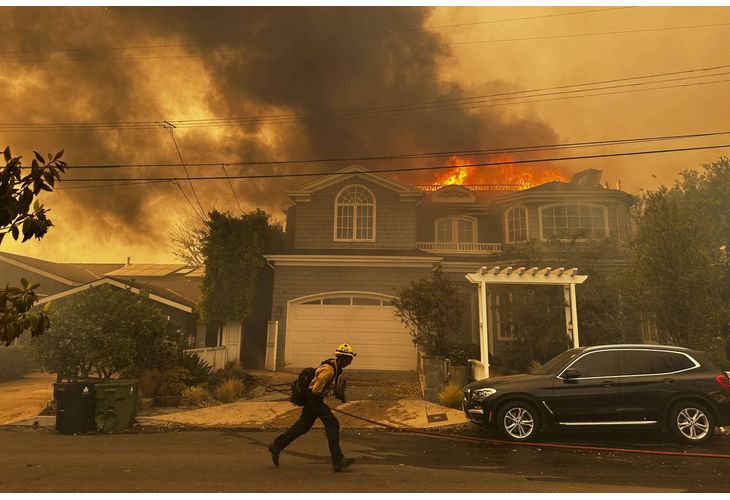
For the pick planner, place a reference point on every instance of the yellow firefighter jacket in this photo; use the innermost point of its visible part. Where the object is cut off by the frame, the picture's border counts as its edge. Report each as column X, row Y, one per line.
column 323, row 379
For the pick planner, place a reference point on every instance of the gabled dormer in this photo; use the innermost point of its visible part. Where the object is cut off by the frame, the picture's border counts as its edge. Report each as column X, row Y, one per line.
column 354, row 208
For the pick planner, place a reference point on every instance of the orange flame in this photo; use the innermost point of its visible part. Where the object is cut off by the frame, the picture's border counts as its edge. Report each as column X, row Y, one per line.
column 522, row 176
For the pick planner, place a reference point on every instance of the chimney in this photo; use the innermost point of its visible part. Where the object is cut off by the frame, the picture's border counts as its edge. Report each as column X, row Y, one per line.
column 589, row 177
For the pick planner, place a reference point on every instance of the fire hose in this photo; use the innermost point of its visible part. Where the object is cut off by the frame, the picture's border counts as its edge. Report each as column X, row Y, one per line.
column 475, row 439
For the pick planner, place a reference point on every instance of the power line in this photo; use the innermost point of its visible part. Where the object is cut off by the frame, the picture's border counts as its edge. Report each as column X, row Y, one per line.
column 205, row 53
column 461, row 103
column 233, row 192
column 170, row 128
column 413, row 156
column 389, row 30
column 114, row 184
column 459, row 25
column 416, row 169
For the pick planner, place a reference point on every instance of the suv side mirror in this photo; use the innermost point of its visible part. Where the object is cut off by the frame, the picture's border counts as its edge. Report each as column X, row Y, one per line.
column 571, row 373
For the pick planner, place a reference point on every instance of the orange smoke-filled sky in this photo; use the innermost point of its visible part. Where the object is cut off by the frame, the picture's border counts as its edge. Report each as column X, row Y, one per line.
column 200, row 63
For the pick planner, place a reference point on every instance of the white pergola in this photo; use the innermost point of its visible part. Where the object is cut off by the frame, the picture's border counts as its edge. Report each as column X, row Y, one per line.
column 568, row 278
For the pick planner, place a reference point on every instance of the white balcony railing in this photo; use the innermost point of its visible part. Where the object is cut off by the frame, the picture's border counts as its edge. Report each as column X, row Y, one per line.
column 214, row 356
column 460, row 248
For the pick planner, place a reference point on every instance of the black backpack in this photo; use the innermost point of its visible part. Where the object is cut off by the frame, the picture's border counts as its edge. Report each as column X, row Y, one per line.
column 300, row 386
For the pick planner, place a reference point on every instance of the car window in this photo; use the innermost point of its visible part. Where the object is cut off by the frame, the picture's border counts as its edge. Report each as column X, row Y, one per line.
column 640, row 362
column 597, row 364
column 557, row 362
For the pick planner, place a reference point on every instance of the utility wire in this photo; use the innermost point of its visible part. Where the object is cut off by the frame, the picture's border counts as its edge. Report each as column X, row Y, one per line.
column 412, row 156
column 461, row 103
column 459, row 25
column 205, row 53
column 416, row 169
column 233, row 192
column 390, row 30
column 170, row 128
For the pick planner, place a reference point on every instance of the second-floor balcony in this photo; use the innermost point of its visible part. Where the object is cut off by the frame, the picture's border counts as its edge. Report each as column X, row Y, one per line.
column 459, row 248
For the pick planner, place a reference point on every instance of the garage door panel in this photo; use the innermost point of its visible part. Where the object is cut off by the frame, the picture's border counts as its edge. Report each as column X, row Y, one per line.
column 381, row 340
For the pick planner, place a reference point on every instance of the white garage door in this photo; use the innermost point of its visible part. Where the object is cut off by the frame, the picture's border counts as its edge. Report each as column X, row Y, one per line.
column 316, row 327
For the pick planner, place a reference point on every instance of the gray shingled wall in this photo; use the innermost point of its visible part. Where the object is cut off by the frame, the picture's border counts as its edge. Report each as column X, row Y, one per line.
column 395, row 225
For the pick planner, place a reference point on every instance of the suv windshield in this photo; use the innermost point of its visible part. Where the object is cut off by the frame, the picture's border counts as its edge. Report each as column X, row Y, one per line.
column 557, row 362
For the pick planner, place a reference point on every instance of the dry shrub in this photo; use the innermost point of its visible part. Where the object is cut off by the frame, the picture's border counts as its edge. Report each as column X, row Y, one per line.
column 229, row 391
column 451, row 395
column 197, row 396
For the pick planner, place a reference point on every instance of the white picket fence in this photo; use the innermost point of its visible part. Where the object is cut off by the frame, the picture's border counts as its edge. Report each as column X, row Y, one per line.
column 214, row 356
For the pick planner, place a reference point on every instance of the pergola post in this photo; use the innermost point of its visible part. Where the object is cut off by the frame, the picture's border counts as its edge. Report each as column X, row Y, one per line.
column 484, row 328
column 574, row 316
column 522, row 276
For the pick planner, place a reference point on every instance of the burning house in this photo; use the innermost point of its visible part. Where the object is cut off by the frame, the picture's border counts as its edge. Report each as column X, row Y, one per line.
column 356, row 238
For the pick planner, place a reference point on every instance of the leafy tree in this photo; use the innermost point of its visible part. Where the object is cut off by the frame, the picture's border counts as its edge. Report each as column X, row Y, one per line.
column 430, row 308
column 106, row 330
column 233, row 248
column 21, row 213
column 680, row 256
column 187, row 239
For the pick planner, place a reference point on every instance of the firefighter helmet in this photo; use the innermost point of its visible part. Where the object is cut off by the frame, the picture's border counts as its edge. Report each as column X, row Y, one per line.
column 345, row 350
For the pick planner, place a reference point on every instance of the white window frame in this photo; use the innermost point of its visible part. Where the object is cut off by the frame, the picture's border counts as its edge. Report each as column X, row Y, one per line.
column 506, row 224
column 591, row 205
column 455, row 228
column 354, row 214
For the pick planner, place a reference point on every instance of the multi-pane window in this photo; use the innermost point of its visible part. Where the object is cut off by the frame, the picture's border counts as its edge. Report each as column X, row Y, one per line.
column 516, row 224
column 355, row 214
column 574, row 221
column 456, row 230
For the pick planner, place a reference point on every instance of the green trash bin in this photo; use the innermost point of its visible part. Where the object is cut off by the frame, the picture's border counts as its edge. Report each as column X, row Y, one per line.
column 116, row 405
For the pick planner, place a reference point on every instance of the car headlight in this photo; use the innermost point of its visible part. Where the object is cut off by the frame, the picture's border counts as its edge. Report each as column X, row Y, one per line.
column 482, row 394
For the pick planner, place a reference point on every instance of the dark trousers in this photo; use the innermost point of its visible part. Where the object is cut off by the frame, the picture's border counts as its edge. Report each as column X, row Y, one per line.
column 314, row 408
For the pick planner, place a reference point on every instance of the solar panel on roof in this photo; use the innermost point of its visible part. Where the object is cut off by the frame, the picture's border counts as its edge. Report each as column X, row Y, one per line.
column 146, row 270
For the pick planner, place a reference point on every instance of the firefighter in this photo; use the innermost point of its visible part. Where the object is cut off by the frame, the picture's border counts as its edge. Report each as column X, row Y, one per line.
column 326, row 377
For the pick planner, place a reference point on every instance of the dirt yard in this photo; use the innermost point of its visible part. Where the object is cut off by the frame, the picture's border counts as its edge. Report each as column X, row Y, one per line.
column 25, row 398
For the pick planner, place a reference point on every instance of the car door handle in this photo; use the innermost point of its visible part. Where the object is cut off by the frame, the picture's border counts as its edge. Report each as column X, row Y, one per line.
column 668, row 380
column 607, row 383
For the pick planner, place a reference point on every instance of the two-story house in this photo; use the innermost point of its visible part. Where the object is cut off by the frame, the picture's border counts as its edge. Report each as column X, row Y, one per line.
column 357, row 237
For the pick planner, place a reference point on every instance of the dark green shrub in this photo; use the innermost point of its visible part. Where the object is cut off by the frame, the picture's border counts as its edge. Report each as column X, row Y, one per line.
column 172, row 382
column 460, row 353
column 14, row 363
column 200, row 370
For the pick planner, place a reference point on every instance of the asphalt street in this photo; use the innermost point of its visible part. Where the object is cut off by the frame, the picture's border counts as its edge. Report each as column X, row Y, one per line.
column 237, row 461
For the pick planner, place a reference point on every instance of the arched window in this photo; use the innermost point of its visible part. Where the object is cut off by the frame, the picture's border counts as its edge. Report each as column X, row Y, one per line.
column 573, row 221
column 516, row 224
column 355, row 214
column 456, row 230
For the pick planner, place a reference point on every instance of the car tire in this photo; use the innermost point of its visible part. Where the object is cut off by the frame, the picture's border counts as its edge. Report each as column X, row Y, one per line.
column 691, row 422
column 517, row 421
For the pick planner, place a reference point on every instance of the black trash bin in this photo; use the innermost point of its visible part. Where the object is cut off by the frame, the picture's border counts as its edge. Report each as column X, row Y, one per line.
column 75, row 407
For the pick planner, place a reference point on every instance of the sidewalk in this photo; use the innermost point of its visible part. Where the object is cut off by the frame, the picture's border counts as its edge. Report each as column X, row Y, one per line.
column 281, row 414
column 388, row 398
column 25, row 398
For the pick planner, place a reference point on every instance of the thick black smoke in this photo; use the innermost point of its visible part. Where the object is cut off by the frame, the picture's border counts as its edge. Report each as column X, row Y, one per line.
column 240, row 62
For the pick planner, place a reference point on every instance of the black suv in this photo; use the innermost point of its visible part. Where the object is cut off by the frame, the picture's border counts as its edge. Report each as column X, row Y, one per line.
column 612, row 385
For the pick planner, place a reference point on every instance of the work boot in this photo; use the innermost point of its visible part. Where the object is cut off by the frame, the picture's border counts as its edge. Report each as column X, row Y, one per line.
column 274, row 454
column 342, row 464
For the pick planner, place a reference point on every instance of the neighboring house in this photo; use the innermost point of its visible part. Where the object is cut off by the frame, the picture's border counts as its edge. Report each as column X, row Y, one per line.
column 174, row 288
column 354, row 239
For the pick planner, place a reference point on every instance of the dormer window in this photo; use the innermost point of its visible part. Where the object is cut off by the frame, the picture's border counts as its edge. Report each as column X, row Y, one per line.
column 456, row 230
column 355, row 214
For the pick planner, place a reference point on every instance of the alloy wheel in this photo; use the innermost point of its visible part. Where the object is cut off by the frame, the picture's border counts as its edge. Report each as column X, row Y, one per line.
column 518, row 423
column 693, row 423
